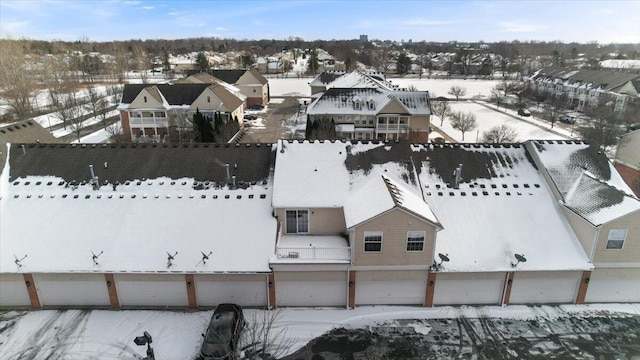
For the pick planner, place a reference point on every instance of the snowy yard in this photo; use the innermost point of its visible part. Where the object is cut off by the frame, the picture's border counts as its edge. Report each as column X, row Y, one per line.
column 103, row 334
column 488, row 117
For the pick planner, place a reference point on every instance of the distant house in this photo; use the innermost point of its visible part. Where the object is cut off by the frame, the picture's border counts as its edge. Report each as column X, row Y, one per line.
column 329, row 79
column 250, row 82
column 27, row 131
column 152, row 112
column 627, row 159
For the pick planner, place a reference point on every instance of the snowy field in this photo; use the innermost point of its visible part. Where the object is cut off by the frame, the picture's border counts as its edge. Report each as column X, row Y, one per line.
column 103, row 334
column 488, row 117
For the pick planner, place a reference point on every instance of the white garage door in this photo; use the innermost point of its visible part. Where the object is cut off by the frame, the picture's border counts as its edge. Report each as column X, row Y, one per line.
column 396, row 292
column 152, row 290
column 13, row 291
column 469, row 288
column 544, row 288
column 311, row 293
column 72, row 289
column 614, row 285
column 243, row 293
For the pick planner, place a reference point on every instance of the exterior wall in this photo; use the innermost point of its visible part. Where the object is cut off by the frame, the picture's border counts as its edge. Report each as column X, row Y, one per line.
column 394, row 225
column 630, row 252
column 139, row 103
column 393, row 107
column 629, row 150
column 317, row 89
column 13, row 291
column 584, row 230
column 201, row 102
column 419, row 123
column 124, row 122
column 322, row 221
column 399, row 275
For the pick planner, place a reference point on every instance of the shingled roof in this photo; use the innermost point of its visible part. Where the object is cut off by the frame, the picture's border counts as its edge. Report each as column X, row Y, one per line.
column 175, row 94
column 27, row 131
column 249, row 163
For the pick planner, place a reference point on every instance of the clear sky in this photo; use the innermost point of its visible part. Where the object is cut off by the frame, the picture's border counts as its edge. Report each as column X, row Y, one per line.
column 104, row 20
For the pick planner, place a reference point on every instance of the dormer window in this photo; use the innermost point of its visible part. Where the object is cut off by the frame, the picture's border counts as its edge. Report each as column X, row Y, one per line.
column 371, row 105
column 357, row 105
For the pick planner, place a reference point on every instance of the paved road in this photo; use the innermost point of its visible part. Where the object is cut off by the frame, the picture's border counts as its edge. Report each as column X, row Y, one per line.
column 463, row 338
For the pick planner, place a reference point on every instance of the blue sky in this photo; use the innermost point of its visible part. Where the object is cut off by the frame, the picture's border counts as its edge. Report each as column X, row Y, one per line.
column 104, row 20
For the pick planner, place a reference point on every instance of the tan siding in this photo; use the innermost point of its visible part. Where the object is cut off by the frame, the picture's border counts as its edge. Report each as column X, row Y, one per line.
column 311, row 276
column 630, row 252
column 394, row 226
column 419, row 123
column 150, row 277
column 393, row 107
column 138, row 102
column 629, row 149
column 385, row 275
column 202, row 104
column 322, row 221
column 605, row 273
column 584, row 230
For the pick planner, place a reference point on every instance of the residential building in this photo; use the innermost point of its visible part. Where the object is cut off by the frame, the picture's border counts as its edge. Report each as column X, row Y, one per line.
column 250, row 82
column 588, row 87
column 354, row 79
column 325, row 223
column 27, row 131
column 152, row 112
column 627, row 159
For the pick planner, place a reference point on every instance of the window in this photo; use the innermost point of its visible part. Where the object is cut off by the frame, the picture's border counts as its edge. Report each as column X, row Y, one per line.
column 356, row 105
column 145, row 99
column 415, row 240
column 616, row 237
column 297, row 221
column 208, row 99
column 372, row 241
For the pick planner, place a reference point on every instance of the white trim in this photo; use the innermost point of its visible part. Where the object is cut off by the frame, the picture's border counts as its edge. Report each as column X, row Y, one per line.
column 617, row 265
column 364, row 240
column 286, row 231
column 624, row 238
column 416, row 233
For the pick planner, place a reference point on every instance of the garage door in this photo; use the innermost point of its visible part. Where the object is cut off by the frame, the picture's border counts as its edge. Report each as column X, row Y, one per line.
column 311, row 293
column 397, row 292
column 614, row 285
column 544, row 287
column 250, row 293
column 72, row 289
column 13, row 291
column 468, row 288
column 152, row 290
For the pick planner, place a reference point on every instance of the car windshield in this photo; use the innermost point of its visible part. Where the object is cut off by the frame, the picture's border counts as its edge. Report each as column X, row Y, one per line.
column 220, row 329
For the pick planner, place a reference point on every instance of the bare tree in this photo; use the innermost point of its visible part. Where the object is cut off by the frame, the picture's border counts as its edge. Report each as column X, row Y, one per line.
column 499, row 134
column 412, row 87
column 497, row 96
column 116, row 135
column 73, row 113
column 17, row 83
column 441, row 109
column 457, row 91
column 97, row 104
column 604, row 127
column 555, row 107
column 265, row 335
column 463, row 121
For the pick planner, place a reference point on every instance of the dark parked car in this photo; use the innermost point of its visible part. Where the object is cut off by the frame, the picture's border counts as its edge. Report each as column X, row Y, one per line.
column 256, row 107
column 223, row 333
column 250, row 117
column 523, row 112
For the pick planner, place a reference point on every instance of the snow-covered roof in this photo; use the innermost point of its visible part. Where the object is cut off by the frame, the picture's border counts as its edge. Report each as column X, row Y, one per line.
column 380, row 195
column 371, row 101
column 357, row 79
column 481, row 232
column 586, row 180
column 131, row 221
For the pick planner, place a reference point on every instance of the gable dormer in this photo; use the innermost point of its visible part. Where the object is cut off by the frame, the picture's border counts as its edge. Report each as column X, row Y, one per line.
column 148, row 97
column 357, row 103
column 371, row 104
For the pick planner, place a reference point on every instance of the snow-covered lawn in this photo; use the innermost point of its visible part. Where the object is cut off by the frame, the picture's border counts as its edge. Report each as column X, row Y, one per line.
column 488, row 117
column 103, row 334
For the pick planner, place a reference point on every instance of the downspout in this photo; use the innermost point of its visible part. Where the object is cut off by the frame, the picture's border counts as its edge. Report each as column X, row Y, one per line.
column 595, row 242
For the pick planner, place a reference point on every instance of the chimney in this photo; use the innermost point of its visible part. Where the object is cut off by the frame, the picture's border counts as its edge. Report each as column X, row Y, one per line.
column 228, row 175
column 94, row 179
column 234, row 181
column 457, row 173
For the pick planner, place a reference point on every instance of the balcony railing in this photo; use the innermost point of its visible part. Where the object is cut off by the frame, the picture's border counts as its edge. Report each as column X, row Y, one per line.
column 392, row 127
column 314, row 253
column 149, row 120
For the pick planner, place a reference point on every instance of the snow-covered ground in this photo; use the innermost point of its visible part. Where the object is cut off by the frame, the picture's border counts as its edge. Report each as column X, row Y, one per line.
column 102, row 334
column 488, row 116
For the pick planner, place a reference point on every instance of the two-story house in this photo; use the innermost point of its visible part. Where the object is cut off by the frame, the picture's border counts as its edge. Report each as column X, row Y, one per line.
column 152, row 112
column 250, row 82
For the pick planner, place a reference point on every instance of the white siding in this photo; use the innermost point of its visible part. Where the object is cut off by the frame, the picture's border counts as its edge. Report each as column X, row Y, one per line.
column 468, row 288
column 393, row 292
column 243, row 293
column 614, row 285
column 72, row 289
column 13, row 291
column 152, row 290
column 545, row 287
column 311, row 293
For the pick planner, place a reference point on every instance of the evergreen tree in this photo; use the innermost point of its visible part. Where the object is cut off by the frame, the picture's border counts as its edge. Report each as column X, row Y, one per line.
column 202, row 62
column 198, row 120
column 309, row 129
column 312, row 64
column 207, row 130
column 404, row 64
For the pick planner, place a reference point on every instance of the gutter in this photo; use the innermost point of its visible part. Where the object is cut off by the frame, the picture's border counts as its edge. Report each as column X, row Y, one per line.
column 595, row 242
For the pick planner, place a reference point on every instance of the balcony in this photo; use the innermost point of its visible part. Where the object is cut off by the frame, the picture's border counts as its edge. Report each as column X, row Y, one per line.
column 312, row 249
column 161, row 121
column 392, row 128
